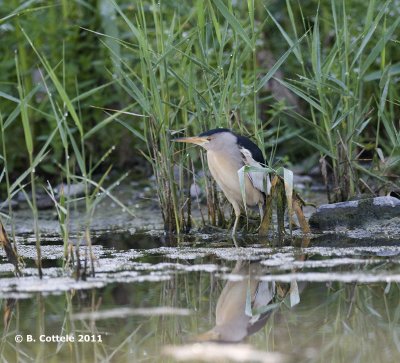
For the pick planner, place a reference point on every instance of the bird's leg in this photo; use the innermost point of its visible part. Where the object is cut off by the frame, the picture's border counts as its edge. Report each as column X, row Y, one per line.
column 236, row 208
column 261, row 209
column 235, row 242
column 235, row 224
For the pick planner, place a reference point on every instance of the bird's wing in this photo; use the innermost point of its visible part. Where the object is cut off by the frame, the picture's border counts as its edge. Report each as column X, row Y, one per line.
column 259, row 179
column 263, row 300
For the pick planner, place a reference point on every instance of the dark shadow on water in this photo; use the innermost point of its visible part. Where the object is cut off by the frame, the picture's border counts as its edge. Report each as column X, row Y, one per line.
column 144, row 240
column 337, row 240
column 124, row 240
column 46, row 263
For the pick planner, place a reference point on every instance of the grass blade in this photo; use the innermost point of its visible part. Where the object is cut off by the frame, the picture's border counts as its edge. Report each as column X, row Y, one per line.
column 233, row 22
column 372, row 56
column 60, row 89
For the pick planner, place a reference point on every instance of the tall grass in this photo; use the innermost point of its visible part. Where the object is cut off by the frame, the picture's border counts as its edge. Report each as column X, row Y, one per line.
column 173, row 68
column 29, row 146
column 344, row 107
column 77, row 168
column 94, row 190
column 193, row 70
column 7, row 179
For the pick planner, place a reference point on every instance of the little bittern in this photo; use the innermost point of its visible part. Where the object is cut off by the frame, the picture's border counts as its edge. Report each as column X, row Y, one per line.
column 227, row 153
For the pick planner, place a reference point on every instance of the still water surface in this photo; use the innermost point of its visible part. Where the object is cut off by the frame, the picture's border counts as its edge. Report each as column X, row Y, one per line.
column 205, row 301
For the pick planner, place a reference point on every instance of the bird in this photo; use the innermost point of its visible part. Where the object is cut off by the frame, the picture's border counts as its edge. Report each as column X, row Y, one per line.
column 227, row 153
column 244, row 305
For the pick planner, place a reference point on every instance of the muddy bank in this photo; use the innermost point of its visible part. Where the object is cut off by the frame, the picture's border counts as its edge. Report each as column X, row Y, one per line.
column 374, row 221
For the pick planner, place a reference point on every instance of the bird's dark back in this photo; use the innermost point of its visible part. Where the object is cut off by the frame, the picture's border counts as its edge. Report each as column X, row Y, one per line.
column 252, row 147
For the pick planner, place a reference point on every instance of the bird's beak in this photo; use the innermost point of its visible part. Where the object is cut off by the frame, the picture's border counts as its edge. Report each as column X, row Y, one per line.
column 193, row 140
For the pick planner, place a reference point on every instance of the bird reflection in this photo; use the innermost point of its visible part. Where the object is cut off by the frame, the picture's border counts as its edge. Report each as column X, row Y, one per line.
column 244, row 306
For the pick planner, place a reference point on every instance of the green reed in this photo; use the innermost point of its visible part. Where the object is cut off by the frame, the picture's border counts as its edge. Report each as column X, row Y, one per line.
column 340, row 87
column 29, row 146
column 191, row 71
column 77, row 167
column 7, row 178
column 193, row 66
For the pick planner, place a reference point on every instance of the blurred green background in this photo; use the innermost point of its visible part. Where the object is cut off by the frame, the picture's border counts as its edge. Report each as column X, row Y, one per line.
column 208, row 58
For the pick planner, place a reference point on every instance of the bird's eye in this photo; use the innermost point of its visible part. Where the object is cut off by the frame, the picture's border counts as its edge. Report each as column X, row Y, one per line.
column 209, row 138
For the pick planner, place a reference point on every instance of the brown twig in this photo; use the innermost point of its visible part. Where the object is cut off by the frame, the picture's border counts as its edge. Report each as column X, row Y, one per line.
column 9, row 249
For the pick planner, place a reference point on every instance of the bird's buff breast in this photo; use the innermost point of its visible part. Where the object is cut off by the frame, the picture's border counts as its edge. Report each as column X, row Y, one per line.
column 225, row 173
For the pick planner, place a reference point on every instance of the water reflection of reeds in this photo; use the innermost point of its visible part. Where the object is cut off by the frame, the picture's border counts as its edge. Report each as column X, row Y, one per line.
column 334, row 321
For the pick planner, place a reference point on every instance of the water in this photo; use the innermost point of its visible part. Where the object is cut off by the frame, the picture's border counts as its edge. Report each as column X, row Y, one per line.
column 302, row 301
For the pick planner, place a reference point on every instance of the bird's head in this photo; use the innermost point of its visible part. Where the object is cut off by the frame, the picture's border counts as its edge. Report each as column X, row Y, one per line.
column 212, row 140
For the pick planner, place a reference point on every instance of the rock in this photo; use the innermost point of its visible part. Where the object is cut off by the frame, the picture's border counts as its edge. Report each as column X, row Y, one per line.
column 43, row 201
column 14, row 205
column 195, row 190
column 20, row 197
column 355, row 214
column 72, row 190
column 302, row 179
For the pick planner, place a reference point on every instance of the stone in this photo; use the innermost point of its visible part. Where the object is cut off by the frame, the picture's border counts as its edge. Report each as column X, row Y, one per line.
column 355, row 214
column 195, row 190
column 43, row 201
column 72, row 190
column 4, row 205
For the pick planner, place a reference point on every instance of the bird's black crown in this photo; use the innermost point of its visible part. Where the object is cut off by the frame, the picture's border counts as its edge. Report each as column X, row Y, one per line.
column 214, row 131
